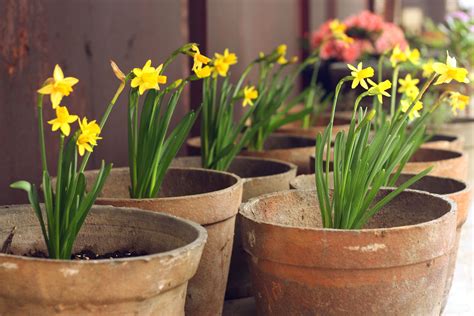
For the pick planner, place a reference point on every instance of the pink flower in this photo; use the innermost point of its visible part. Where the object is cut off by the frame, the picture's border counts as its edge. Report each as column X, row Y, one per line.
column 319, row 35
column 391, row 36
column 365, row 20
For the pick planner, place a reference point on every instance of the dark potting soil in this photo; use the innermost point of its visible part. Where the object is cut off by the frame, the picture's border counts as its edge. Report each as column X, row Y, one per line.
column 88, row 254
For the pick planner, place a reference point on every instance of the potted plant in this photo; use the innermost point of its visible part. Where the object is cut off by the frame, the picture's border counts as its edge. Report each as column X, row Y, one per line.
column 61, row 256
column 316, row 250
column 210, row 198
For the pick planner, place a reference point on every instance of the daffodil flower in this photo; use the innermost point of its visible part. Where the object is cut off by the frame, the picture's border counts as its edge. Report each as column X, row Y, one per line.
column 62, row 120
column 281, row 50
column 250, row 94
column 203, row 72
column 117, row 72
column 199, row 59
column 338, row 30
column 227, row 57
column 449, row 71
column 413, row 56
column 379, row 89
column 458, row 101
column 89, row 135
column 58, row 86
column 428, row 68
column 148, row 77
column 405, row 105
column 407, row 83
column 398, row 56
column 360, row 74
column 412, row 92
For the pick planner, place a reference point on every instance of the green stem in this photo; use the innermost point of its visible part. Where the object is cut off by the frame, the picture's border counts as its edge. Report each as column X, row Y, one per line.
column 394, row 91
column 57, row 203
column 311, row 94
column 44, row 162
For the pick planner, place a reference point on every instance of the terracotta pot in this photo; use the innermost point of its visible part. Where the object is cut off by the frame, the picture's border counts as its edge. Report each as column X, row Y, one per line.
column 396, row 265
column 463, row 126
column 210, row 198
column 290, row 148
column 446, row 163
column 444, row 141
column 260, row 176
column 154, row 284
column 340, row 124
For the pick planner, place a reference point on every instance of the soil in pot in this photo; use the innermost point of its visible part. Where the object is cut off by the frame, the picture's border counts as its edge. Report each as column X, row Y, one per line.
column 445, row 163
column 210, row 198
column 153, row 284
column 260, row 176
column 396, row 265
column 444, row 141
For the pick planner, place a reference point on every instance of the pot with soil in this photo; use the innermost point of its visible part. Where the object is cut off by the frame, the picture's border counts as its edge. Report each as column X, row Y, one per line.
column 260, row 176
column 157, row 255
column 210, row 198
column 289, row 148
column 445, row 141
column 445, row 163
column 300, row 268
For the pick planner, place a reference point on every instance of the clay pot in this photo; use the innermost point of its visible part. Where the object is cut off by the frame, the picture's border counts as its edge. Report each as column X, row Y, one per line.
column 396, row 265
column 444, row 141
column 446, row 163
column 289, row 148
column 464, row 127
column 340, row 124
column 153, row 284
column 210, row 198
column 459, row 192
column 260, row 176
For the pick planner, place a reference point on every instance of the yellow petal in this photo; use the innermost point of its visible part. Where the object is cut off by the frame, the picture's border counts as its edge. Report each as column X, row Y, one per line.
column 56, row 98
column 65, row 129
column 58, row 73
column 48, row 89
column 70, row 81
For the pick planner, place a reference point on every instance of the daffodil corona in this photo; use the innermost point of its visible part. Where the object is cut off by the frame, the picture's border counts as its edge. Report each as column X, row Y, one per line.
column 62, row 120
column 148, row 77
column 360, row 74
column 58, row 86
column 250, row 94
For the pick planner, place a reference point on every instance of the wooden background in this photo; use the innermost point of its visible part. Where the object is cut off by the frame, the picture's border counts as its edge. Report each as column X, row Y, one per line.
column 83, row 35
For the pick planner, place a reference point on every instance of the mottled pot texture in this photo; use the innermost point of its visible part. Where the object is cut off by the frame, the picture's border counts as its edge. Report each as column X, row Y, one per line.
column 459, row 192
column 260, row 176
column 396, row 265
column 464, row 127
column 319, row 125
column 445, row 163
column 444, row 141
column 289, row 148
column 154, row 284
column 210, row 198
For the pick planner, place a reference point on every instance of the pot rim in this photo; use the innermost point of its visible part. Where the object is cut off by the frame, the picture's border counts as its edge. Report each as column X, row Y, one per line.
column 460, row 155
column 454, row 137
column 238, row 182
column 176, row 252
column 466, row 185
column 245, row 208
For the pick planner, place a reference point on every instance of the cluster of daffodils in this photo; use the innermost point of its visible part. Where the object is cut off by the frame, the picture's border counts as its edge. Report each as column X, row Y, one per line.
column 58, row 87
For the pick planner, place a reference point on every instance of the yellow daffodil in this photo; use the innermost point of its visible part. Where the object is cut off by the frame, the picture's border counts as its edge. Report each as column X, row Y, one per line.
column 412, row 92
column 449, row 71
column 407, row 83
column 220, row 68
column 62, row 120
column 227, row 58
column 398, row 56
column 117, row 72
column 89, row 135
column 405, row 105
column 148, row 78
column 428, row 68
column 379, row 89
column 199, row 59
column 360, row 74
column 281, row 50
column 413, row 56
column 339, row 31
column 203, row 72
column 458, row 101
column 250, row 94
column 58, row 86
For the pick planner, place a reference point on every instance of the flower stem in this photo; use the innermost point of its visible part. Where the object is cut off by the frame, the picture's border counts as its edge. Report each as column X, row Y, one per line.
column 44, row 161
column 57, row 203
column 394, row 90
